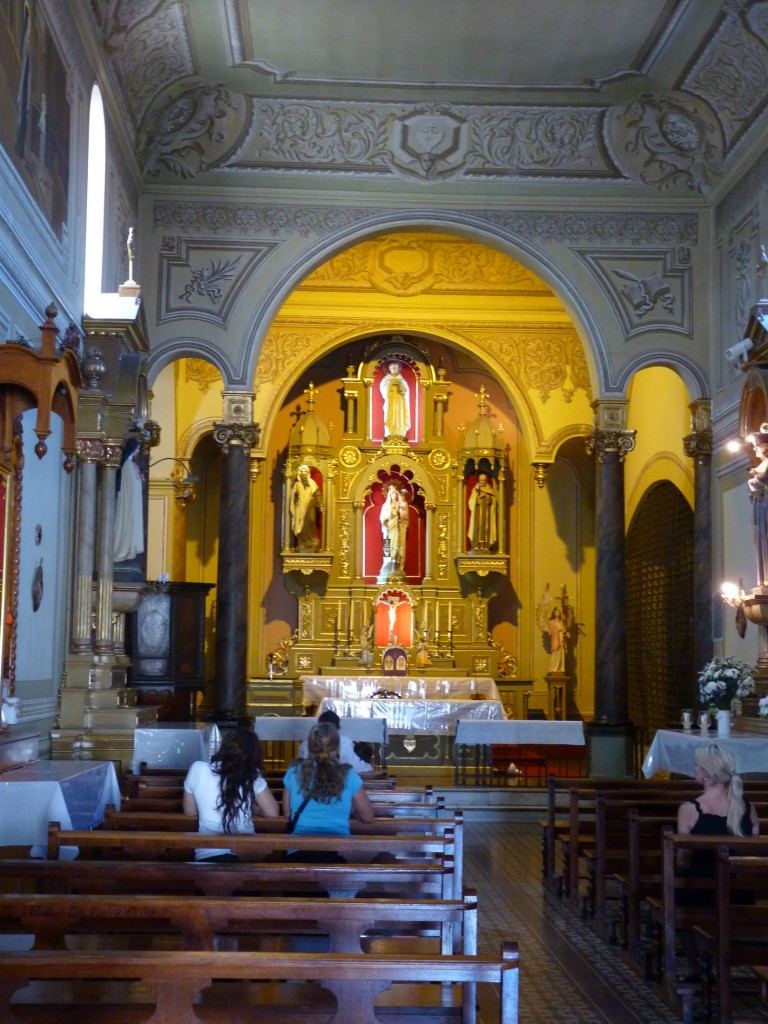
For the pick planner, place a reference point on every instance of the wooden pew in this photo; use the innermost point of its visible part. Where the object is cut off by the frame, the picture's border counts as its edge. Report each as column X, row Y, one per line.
column 740, row 933
column 394, row 826
column 610, row 853
column 391, row 808
column 146, row 845
column 177, row 979
column 642, row 881
column 676, row 916
column 351, row 925
column 433, row 880
column 582, row 800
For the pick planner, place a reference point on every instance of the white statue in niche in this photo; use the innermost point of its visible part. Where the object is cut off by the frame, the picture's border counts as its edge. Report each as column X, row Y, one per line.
column 397, row 407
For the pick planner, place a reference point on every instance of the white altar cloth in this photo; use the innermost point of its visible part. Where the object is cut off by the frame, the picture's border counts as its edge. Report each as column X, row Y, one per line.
column 74, row 793
column 672, row 750
column 174, row 745
column 415, row 716
column 315, row 688
column 521, row 731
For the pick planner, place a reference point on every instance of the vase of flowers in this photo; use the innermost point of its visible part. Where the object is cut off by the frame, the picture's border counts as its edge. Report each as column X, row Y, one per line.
column 721, row 681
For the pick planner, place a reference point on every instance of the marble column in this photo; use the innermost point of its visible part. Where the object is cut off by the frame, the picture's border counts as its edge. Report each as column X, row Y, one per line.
column 698, row 446
column 105, row 547
column 89, row 454
column 610, row 733
column 230, row 673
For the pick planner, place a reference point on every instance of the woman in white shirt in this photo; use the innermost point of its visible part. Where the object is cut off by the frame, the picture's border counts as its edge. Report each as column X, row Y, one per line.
column 223, row 794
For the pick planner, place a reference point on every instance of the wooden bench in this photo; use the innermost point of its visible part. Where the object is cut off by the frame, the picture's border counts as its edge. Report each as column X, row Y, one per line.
column 390, row 808
column 582, row 805
column 610, row 853
column 641, row 883
column 350, row 925
column 147, row 845
column 739, row 935
column 432, row 880
column 344, row 989
column 394, row 826
column 677, row 916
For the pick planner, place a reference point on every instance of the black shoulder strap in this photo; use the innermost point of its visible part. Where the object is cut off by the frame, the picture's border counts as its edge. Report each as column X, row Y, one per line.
column 295, row 816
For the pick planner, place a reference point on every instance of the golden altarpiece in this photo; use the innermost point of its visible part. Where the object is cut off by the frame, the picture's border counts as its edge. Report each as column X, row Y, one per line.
column 391, row 538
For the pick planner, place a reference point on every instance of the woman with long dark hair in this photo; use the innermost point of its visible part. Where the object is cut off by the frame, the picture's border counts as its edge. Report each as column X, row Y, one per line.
column 224, row 793
column 320, row 792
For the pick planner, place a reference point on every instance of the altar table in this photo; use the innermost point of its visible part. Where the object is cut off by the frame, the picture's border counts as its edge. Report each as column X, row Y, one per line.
column 672, row 750
column 315, row 688
column 521, row 731
column 474, row 755
column 411, row 717
column 74, row 793
column 174, row 745
column 425, row 705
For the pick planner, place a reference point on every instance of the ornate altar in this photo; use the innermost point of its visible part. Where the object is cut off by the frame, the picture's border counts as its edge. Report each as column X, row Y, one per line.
column 391, row 538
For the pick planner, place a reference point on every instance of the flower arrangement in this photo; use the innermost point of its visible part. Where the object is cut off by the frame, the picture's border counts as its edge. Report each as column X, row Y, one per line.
column 762, row 707
column 722, row 680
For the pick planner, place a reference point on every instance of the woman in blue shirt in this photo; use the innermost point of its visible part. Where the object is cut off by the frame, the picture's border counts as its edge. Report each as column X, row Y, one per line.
column 323, row 791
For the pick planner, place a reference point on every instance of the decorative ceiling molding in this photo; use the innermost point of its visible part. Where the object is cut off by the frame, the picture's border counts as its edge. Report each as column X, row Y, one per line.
column 731, row 74
column 202, row 278
column 682, row 96
column 648, row 290
column 148, row 44
column 540, row 226
column 413, row 266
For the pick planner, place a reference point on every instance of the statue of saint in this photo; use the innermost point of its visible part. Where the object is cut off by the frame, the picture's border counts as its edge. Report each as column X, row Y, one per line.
column 397, row 406
column 557, row 642
column 394, row 528
column 423, row 657
column 758, row 494
column 482, row 530
column 304, row 505
column 129, row 506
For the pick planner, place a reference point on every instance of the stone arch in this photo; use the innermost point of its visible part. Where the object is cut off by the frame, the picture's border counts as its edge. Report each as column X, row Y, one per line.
column 271, row 374
column 472, row 227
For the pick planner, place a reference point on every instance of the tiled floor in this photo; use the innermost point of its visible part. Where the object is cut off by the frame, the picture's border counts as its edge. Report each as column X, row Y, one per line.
column 567, row 974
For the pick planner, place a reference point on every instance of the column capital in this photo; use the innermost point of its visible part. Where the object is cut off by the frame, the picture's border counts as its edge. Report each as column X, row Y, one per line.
column 111, row 453
column 601, row 442
column 610, row 432
column 89, row 449
column 236, row 435
column 698, row 445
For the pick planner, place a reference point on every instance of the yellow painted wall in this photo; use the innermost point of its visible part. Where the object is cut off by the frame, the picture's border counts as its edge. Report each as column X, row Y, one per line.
column 658, row 411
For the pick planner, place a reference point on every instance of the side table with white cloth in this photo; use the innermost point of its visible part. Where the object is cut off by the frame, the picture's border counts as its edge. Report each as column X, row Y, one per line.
column 673, row 750
column 475, row 740
column 174, row 745
column 74, row 793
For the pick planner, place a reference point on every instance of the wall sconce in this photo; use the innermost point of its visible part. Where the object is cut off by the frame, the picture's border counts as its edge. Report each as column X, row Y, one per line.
column 734, row 596
column 184, row 482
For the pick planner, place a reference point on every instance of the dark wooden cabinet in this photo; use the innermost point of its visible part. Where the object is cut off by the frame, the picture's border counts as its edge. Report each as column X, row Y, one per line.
column 166, row 643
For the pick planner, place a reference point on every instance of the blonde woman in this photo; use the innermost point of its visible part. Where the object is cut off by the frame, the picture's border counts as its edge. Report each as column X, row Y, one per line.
column 320, row 792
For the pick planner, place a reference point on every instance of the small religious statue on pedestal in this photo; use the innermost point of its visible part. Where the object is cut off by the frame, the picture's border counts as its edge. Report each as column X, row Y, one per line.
column 423, row 657
column 555, row 619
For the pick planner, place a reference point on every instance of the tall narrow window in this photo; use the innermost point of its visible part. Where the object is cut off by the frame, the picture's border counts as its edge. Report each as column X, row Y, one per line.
column 94, row 214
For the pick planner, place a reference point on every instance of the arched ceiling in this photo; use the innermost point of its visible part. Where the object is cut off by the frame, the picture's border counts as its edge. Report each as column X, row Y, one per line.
column 658, row 94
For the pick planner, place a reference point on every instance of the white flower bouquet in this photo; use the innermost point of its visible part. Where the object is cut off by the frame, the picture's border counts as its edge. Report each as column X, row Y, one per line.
column 762, row 707
column 722, row 680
